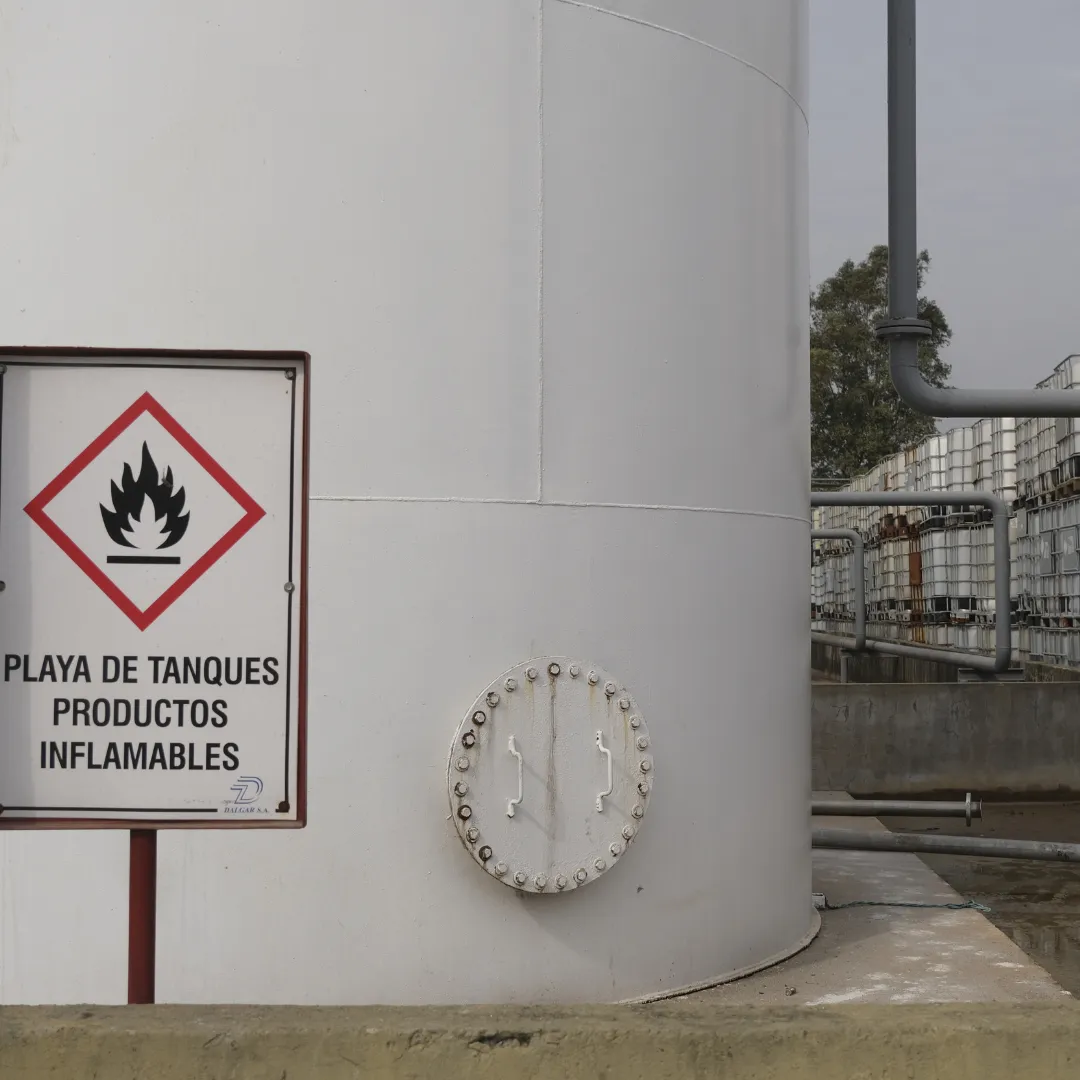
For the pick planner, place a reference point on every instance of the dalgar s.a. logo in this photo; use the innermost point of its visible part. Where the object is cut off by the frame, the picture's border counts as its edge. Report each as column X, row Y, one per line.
column 247, row 789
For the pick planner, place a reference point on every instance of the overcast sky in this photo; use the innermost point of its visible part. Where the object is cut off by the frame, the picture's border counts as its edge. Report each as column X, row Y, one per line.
column 999, row 169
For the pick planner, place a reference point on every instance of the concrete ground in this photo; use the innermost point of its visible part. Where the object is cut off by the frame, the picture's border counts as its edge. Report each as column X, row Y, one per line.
column 894, row 955
column 1037, row 904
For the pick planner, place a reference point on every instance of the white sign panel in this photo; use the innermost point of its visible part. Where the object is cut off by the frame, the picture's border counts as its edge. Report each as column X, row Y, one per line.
column 152, row 525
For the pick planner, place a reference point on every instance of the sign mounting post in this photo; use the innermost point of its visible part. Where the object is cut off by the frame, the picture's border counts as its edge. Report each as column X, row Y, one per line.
column 153, row 527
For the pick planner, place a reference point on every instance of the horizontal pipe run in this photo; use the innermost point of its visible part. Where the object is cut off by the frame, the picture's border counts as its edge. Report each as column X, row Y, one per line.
column 924, row 844
column 1002, row 658
column 926, row 398
column 858, row 577
column 896, row 808
column 975, row 661
column 904, row 328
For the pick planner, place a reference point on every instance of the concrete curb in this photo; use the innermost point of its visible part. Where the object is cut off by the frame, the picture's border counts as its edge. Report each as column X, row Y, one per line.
column 660, row 1042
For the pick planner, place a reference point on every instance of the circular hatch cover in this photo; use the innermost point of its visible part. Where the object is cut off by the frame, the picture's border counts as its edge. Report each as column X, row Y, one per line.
column 550, row 775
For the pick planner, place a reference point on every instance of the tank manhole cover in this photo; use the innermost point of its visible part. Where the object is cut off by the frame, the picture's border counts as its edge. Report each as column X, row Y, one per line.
column 550, row 775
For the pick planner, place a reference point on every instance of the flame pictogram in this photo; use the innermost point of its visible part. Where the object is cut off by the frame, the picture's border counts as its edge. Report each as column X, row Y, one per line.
column 128, row 524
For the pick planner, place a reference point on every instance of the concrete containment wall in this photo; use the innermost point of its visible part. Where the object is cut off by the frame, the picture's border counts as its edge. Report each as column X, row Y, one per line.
column 1038, row 672
column 677, row 1042
column 992, row 739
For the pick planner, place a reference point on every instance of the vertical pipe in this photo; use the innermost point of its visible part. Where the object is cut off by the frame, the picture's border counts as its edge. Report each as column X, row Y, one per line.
column 1002, row 588
column 903, row 239
column 903, row 328
column 142, row 916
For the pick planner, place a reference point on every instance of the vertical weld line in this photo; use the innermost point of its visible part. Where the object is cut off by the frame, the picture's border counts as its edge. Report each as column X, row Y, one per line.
column 540, row 253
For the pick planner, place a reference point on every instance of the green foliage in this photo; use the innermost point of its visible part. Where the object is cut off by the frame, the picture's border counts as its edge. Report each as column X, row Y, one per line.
column 857, row 416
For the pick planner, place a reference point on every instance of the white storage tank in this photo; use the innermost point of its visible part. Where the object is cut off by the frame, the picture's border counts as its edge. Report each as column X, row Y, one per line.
column 549, row 259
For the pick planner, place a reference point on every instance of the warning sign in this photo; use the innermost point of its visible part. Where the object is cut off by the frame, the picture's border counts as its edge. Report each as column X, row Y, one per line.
column 145, row 518
column 152, row 539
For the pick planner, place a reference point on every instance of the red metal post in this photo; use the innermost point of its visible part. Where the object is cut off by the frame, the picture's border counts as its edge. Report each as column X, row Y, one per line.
column 142, row 916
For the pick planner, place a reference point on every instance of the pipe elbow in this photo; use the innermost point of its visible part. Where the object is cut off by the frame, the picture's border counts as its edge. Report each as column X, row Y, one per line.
column 913, row 389
column 916, row 392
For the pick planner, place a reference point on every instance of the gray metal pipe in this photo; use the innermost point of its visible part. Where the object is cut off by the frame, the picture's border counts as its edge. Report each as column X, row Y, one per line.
column 904, row 328
column 969, row 809
column 1002, row 658
column 926, row 844
column 858, row 576
column 956, row 657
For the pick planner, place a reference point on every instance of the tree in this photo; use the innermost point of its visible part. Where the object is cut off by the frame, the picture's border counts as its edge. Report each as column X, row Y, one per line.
column 857, row 416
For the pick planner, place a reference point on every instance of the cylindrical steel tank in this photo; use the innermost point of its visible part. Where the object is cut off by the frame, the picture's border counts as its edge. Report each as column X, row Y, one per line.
column 549, row 259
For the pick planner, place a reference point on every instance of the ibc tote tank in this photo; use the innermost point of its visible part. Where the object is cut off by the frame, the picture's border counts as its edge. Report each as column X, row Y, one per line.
column 549, row 259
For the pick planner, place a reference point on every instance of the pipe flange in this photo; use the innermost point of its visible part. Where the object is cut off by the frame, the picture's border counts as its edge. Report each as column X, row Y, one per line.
column 901, row 328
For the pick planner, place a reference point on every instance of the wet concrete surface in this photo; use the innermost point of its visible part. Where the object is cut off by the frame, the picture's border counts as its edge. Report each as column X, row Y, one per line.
column 893, row 932
column 1036, row 903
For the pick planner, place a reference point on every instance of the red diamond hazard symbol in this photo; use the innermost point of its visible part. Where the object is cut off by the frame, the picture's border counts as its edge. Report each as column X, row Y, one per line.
column 144, row 511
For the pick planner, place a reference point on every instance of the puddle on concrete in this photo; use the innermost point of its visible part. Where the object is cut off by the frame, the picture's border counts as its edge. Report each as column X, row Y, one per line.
column 1036, row 903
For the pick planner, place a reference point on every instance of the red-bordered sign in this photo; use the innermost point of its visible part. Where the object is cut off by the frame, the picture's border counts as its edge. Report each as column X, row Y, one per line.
column 78, row 753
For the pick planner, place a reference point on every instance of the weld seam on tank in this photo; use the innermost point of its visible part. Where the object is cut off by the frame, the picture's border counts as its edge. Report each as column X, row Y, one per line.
column 540, row 251
column 695, row 40
column 467, row 501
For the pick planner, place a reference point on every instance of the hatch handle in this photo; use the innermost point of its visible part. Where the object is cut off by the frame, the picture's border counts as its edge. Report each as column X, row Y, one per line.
column 513, row 804
column 610, row 783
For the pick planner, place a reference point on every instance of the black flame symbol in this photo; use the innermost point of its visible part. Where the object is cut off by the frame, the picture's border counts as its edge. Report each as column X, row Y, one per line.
column 128, row 502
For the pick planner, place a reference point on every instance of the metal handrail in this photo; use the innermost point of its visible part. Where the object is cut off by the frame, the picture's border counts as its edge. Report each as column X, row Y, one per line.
column 858, row 576
column 1002, row 658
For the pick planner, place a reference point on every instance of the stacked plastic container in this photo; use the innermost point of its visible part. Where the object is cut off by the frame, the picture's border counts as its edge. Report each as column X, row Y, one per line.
column 1003, row 458
column 983, row 455
column 832, row 594
column 932, row 455
column 930, row 571
column 1048, row 529
column 1067, row 428
column 961, row 459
